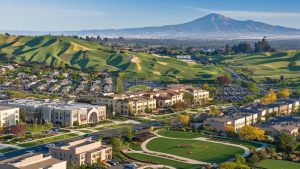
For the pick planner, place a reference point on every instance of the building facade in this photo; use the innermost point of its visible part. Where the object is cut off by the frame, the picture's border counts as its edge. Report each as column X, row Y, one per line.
column 84, row 151
column 58, row 113
column 9, row 116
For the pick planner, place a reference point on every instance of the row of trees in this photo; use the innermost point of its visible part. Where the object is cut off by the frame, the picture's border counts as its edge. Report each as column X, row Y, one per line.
column 21, row 128
column 247, row 48
column 272, row 96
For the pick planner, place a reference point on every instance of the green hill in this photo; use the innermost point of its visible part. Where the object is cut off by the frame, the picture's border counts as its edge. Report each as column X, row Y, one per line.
column 268, row 64
column 87, row 56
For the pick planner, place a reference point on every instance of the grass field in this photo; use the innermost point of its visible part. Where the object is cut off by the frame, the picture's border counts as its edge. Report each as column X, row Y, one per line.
column 5, row 150
column 162, row 161
column 135, row 146
column 247, row 144
column 179, row 134
column 59, row 51
column 138, row 88
column 194, row 149
column 48, row 140
column 278, row 164
column 268, row 64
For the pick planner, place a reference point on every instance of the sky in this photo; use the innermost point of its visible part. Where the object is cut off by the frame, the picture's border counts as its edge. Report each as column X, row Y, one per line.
column 67, row 15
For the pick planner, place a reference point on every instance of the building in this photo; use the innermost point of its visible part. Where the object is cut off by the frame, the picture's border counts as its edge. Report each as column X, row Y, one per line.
column 58, row 113
column 85, row 151
column 277, row 129
column 142, row 102
column 9, row 115
column 33, row 161
column 237, row 121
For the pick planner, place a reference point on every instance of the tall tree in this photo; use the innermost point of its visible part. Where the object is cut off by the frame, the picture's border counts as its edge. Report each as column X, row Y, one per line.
column 252, row 133
column 286, row 143
column 117, row 145
column 128, row 133
column 18, row 129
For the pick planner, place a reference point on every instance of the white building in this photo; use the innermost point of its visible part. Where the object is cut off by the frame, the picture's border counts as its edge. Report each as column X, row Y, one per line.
column 9, row 116
column 59, row 113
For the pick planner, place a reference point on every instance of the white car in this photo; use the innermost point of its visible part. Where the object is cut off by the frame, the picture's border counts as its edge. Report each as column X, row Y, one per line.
column 49, row 145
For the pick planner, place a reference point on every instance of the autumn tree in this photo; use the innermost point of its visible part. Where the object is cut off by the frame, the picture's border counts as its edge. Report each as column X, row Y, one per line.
column 283, row 93
column 214, row 111
column 184, row 119
column 224, row 80
column 180, row 106
column 269, row 98
column 18, row 129
column 252, row 133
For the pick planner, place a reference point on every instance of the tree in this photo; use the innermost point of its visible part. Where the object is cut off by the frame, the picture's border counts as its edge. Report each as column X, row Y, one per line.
column 214, row 111
column 283, row 93
column 252, row 133
column 119, row 85
column 286, row 143
column 76, row 123
column 128, row 133
column 188, row 98
column 117, row 145
column 239, row 159
column 253, row 159
column 224, row 80
column 35, row 129
column 180, row 106
column 269, row 98
column 184, row 119
column 205, row 86
column 18, row 129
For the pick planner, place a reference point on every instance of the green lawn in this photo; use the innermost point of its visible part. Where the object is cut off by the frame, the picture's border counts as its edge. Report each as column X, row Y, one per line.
column 179, row 134
column 162, row 161
column 86, row 131
column 48, row 140
column 278, row 164
column 248, row 144
column 194, row 149
column 135, row 146
column 5, row 150
column 138, row 88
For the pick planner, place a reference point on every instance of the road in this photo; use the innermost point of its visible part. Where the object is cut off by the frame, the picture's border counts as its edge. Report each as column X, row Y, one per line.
column 44, row 150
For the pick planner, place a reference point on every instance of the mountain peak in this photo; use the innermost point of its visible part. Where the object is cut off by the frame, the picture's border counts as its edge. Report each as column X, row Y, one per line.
column 215, row 17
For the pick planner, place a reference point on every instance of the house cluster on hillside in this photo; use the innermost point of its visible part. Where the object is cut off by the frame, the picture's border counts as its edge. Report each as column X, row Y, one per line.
column 59, row 82
column 253, row 114
column 76, row 153
column 57, row 112
column 149, row 101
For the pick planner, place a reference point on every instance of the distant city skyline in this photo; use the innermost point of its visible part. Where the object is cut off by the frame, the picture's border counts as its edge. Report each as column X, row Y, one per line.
column 68, row 15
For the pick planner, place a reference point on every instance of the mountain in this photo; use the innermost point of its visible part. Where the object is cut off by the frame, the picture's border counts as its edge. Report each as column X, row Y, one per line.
column 211, row 26
column 60, row 52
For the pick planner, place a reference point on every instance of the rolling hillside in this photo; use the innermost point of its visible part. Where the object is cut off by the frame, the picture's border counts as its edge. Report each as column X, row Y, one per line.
column 268, row 64
column 62, row 51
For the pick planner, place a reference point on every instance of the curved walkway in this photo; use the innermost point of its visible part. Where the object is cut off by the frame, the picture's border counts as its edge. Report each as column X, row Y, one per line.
column 246, row 149
column 146, row 151
column 156, row 166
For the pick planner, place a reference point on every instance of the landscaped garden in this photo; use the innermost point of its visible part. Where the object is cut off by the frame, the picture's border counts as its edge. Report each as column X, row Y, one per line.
column 278, row 164
column 194, row 149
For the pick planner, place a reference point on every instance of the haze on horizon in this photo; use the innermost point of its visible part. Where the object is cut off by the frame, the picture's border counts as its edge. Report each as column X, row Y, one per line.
column 68, row 15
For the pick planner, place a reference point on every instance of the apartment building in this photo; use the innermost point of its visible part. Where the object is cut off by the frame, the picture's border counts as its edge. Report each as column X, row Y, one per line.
column 237, row 121
column 33, row 161
column 9, row 115
column 58, row 113
column 141, row 102
column 84, row 151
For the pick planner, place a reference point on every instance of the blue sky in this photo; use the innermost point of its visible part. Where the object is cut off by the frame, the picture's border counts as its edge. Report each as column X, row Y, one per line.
column 53, row 15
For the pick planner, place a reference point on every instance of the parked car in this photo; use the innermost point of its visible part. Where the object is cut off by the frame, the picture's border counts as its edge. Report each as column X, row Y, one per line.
column 113, row 162
column 49, row 145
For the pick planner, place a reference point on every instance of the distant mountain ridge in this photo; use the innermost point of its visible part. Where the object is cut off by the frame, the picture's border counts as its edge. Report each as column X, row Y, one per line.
column 209, row 26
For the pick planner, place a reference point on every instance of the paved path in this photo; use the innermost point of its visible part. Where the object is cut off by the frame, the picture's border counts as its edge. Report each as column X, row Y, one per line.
column 2, row 146
column 170, row 156
column 156, row 166
column 179, row 158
